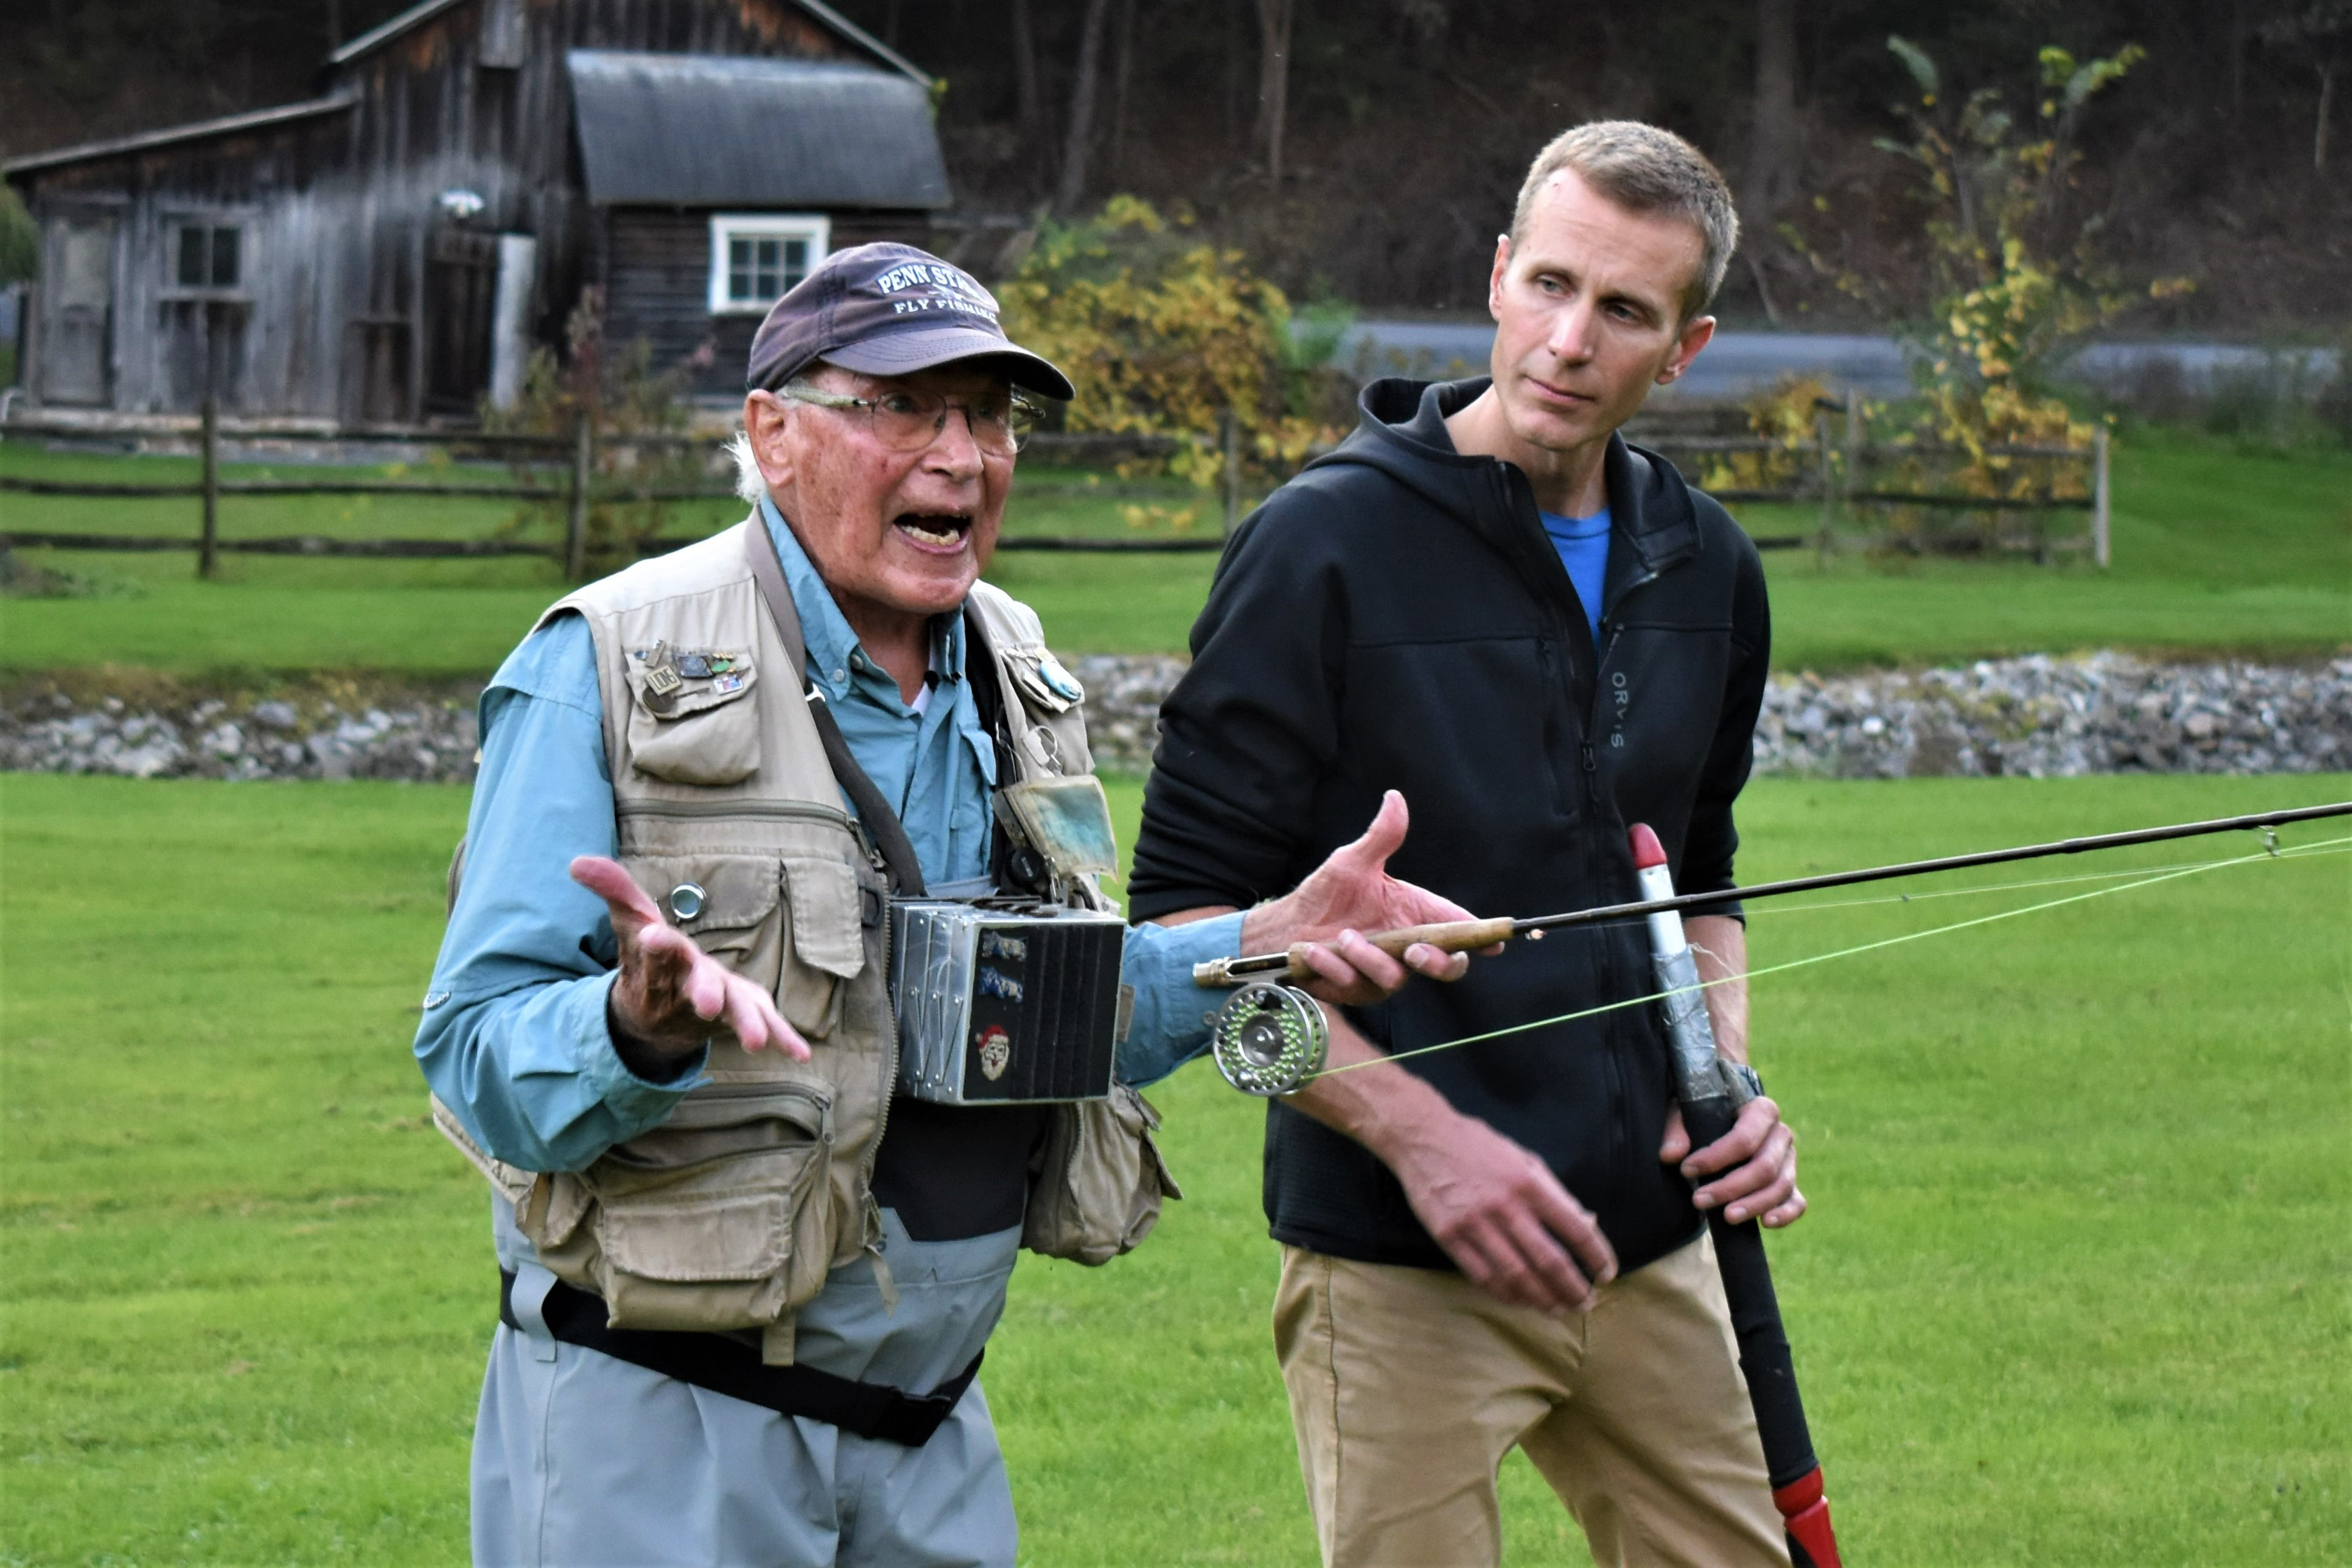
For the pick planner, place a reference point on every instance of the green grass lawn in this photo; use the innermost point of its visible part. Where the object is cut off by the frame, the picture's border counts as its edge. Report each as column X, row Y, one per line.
column 2074, row 1290
column 2215, row 550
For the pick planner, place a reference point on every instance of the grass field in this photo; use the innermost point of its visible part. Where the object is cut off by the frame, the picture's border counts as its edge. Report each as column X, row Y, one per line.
column 2074, row 1289
column 2215, row 550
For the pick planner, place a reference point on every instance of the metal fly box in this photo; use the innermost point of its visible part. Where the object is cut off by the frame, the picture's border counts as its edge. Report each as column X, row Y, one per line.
column 998, row 1006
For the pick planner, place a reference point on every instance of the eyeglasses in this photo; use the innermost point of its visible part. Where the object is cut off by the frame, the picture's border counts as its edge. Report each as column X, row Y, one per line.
column 911, row 421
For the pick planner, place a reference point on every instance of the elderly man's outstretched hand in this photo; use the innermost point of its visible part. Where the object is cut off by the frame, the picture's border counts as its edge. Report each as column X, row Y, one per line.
column 671, row 996
column 1349, row 894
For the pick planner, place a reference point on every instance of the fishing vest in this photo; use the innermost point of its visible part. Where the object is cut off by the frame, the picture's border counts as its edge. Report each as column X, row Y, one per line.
column 730, row 1213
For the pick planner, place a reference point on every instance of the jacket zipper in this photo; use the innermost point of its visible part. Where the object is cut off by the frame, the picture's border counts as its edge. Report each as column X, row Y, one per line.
column 1598, row 859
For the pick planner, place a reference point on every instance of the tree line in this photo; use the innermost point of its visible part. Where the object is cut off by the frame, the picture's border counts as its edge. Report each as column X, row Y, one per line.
column 1369, row 150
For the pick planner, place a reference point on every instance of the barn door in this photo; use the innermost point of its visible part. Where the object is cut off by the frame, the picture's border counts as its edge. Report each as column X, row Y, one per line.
column 78, row 310
column 461, row 280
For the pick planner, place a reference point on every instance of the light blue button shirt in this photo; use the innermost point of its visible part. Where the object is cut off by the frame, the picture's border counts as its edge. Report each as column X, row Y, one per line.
column 513, row 1037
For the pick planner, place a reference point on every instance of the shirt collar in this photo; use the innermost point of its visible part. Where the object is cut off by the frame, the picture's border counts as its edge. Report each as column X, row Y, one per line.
column 826, row 631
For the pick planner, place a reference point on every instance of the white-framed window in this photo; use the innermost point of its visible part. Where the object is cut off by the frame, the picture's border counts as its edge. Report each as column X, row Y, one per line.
column 756, row 257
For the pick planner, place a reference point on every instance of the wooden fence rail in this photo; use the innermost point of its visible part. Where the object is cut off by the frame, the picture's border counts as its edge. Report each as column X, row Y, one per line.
column 1825, row 472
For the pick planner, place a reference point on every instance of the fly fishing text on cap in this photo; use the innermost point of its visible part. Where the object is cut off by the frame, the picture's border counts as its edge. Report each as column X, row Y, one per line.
column 885, row 309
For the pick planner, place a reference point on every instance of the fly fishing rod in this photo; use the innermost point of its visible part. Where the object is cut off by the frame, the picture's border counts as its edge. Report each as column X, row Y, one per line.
column 1465, row 936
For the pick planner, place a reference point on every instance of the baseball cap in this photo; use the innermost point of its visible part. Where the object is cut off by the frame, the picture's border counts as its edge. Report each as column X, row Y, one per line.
column 889, row 310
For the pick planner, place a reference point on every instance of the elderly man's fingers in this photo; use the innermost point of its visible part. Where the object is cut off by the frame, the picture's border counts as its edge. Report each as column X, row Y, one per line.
column 1435, row 962
column 781, row 1035
column 611, row 882
column 1374, row 966
column 1416, row 905
column 705, row 989
column 1381, row 838
column 743, row 1013
column 1788, row 1213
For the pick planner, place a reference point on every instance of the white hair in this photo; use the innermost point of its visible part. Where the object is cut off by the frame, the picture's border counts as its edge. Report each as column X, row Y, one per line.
column 750, row 482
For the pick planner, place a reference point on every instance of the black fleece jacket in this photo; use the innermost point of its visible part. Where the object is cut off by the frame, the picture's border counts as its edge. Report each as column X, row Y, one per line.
column 1396, row 618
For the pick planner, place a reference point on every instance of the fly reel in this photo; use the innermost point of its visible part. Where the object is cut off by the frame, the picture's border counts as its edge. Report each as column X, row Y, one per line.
column 1270, row 1039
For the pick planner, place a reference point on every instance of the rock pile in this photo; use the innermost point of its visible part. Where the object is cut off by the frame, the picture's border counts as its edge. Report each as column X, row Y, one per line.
column 426, row 737
column 1123, row 697
column 2047, row 717
column 2038, row 717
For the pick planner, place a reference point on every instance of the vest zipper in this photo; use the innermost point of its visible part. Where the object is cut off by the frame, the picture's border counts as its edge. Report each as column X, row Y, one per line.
column 793, row 811
column 870, row 1211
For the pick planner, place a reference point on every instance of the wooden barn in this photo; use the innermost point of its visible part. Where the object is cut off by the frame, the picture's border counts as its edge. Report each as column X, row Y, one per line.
column 391, row 250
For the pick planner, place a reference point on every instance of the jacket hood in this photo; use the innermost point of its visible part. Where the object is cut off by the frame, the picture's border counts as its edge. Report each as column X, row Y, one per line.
column 1402, row 431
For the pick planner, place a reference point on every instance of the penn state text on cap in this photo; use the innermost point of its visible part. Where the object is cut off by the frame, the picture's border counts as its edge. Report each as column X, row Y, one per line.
column 885, row 309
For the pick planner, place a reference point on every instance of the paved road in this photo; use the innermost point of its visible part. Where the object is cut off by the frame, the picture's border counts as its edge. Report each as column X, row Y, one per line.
column 1736, row 363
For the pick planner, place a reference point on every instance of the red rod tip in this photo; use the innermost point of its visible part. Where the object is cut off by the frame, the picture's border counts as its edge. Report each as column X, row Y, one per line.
column 1647, row 850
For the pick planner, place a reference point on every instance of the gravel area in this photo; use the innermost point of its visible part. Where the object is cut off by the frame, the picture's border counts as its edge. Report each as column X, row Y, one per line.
column 2038, row 717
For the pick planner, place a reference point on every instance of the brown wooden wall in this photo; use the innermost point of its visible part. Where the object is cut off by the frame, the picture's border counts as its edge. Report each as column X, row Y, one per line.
column 657, row 282
column 342, row 211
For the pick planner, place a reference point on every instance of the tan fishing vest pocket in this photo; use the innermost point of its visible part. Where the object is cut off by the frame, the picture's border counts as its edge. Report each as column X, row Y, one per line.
column 1099, row 1180
column 735, row 908
column 696, row 731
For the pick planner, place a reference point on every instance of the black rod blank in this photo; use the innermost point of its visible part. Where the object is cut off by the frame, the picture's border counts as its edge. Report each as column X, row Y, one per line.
column 1922, row 868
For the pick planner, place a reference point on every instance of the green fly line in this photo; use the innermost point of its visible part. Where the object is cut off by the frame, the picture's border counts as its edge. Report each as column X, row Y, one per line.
column 2145, row 879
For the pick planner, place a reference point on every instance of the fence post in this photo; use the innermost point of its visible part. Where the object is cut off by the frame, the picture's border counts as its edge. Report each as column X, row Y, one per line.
column 2099, row 494
column 575, row 532
column 1229, row 436
column 1852, row 447
column 208, row 537
column 1829, row 490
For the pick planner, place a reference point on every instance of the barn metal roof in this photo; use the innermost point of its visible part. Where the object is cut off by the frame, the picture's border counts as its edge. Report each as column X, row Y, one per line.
column 716, row 130
column 425, row 10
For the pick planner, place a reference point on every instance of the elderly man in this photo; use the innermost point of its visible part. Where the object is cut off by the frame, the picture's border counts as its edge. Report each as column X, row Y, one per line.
column 739, row 1324
column 1487, row 600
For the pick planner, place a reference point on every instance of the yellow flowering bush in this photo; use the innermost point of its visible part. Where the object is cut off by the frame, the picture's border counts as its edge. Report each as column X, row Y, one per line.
column 1163, row 331
column 2018, row 278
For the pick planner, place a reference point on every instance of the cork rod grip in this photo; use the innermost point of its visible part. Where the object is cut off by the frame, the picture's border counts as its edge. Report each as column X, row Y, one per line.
column 1447, row 936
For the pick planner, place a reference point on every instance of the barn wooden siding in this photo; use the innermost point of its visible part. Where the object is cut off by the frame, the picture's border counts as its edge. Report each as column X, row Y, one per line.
column 659, row 284
column 344, row 231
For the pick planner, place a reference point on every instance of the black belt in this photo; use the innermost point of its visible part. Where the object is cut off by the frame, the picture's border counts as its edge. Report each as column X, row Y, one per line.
column 725, row 1364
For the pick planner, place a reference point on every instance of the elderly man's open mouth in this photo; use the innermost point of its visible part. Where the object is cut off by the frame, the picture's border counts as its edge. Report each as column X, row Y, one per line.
column 935, row 530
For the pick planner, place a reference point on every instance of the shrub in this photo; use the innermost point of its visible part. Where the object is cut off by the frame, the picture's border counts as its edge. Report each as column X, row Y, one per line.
column 1162, row 332
column 2019, row 285
column 619, row 395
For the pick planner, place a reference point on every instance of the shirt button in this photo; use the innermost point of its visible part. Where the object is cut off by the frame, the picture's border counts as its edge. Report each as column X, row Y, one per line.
column 840, row 677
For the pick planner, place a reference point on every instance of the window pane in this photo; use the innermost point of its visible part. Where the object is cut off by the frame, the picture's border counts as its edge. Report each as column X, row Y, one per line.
column 194, row 262
column 796, row 265
column 225, row 247
column 771, row 268
column 739, row 284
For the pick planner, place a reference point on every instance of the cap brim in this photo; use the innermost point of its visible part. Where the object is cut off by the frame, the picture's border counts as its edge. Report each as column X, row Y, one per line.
column 900, row 353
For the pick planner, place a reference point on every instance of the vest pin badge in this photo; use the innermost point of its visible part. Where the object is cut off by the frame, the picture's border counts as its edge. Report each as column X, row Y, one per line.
column 995, row 1051
column 694, row 667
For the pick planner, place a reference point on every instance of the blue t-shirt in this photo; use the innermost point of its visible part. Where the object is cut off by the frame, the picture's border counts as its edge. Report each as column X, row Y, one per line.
column 1583, row 546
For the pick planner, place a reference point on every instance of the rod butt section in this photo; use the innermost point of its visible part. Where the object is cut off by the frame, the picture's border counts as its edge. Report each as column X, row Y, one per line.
column 1806, row 1514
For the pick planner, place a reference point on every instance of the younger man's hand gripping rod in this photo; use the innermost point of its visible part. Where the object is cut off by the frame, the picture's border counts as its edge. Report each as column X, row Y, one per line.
column 1711, row 1091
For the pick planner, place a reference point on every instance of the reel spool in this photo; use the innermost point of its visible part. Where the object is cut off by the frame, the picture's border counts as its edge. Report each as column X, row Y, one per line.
column 1270, row 1039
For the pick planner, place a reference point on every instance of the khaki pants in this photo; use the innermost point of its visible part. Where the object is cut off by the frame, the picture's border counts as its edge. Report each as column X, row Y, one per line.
column 1409, row 1386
